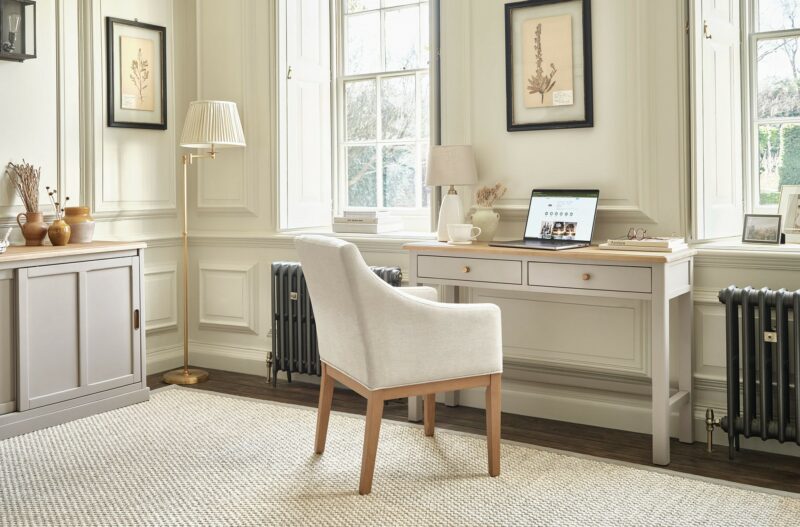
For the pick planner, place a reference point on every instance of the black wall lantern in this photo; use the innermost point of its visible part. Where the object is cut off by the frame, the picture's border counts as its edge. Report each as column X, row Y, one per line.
column 17, row 30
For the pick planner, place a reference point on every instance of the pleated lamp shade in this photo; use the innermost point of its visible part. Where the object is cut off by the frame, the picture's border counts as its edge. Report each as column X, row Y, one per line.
column 451, row 165
column 212, row 123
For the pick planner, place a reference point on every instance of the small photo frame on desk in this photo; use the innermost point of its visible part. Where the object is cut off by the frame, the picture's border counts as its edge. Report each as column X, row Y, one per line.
column 789, row 210
column 762, row 228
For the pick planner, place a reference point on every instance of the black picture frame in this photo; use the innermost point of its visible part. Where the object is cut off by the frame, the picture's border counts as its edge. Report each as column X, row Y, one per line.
column 776, row 218
column 111, row 84
column 588, row 117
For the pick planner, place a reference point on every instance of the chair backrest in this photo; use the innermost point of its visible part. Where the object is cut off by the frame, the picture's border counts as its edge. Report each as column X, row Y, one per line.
column 342, row 289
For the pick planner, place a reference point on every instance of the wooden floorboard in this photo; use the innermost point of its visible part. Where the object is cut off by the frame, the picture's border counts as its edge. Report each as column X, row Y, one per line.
column 762, row 469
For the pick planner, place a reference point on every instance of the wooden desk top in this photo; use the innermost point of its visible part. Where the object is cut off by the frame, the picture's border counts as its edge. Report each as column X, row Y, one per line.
column 17, row 253
column 478, row 249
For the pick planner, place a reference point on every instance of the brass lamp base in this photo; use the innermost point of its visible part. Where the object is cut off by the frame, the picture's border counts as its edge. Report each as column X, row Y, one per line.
column 190, row 376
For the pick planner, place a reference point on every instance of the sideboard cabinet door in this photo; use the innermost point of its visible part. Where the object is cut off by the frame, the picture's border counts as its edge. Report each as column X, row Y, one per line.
column 8, row 366
column 77, row 329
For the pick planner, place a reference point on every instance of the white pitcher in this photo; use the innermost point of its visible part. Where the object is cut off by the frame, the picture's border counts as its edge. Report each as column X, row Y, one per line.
column 488, row 220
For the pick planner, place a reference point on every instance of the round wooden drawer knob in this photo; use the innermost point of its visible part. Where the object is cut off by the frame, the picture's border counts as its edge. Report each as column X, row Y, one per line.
column 466, row 269
column 586, row 276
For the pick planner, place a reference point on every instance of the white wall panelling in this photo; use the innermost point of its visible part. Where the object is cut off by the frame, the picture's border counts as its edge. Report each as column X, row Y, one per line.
column 231, row 65
column 543, row 329
column 228, row 296
column 133, row 170
column 634, row 153
column 42, row 114
column 161, row 294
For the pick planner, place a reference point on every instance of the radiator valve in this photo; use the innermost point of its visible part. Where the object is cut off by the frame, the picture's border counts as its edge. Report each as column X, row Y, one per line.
column 711, row 422
column 269, row 367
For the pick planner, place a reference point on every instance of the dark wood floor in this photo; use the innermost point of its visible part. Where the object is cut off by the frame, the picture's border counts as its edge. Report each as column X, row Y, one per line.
column 750, row 467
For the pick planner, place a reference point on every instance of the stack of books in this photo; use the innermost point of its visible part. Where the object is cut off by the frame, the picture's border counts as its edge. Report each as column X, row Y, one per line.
column 660, row 245
column 366, row 222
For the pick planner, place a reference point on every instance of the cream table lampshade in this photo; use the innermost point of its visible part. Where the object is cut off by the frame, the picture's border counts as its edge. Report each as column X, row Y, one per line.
column 212, row 125
column 451, row 165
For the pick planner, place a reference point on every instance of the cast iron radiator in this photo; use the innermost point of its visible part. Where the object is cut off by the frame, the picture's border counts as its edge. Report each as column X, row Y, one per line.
column 294, row 331
column 767, row 405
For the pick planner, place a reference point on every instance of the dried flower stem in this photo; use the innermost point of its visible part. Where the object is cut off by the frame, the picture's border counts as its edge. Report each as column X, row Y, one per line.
column 486, row 196
column 25, row 179
column 59, row 209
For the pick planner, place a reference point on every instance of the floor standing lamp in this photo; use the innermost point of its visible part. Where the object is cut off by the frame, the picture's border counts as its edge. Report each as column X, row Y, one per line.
column 451, row 165
column 209, row 125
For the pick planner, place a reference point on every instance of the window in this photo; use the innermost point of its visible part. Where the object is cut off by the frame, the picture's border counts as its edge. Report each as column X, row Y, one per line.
column 774, row 105
column 383, row 84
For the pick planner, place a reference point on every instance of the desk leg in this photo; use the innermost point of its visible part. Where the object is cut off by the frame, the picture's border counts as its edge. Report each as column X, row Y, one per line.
column 452, row 294
column 686, row 419
column 659, row 349
column 415, row 409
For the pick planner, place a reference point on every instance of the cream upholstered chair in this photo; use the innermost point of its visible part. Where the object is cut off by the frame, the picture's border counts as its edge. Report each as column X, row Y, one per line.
column 387, row 343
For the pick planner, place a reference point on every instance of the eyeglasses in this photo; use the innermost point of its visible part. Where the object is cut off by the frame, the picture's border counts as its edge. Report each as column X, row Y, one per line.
column 637, row 233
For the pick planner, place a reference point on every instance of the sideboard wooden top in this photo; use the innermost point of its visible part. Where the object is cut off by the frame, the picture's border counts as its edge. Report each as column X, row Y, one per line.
column 478, row 249
column 18, row 253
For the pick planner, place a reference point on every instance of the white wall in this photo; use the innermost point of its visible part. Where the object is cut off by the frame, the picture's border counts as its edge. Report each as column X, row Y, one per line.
column 54, row 116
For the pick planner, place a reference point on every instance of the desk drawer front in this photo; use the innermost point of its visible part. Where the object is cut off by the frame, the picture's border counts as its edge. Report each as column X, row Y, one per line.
column 470, row 269
column 580, row 276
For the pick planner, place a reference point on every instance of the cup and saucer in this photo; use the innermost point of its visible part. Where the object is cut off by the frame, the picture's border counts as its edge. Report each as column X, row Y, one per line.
column 462, row 233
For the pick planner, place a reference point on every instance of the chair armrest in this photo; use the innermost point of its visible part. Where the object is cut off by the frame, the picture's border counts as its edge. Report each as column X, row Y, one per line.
column 425, row 292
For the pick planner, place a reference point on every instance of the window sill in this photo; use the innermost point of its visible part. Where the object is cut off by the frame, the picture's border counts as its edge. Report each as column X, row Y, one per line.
column 736, row 245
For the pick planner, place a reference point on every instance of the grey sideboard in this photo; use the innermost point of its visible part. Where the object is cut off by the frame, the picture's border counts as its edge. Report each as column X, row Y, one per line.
column 71, row 333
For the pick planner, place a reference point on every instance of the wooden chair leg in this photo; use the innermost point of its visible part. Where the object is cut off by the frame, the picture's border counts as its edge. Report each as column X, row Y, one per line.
column 372, row 431
column 429, row 414
column 493, row 424
column 324, row 410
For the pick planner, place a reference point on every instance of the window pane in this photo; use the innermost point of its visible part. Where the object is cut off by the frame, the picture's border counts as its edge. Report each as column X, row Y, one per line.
column 398, row 107
column 398, row 176
column 425, row 36
column 778, row 77
column 425, row 105
column 362, row 43
column 401, row 31
column 361, row 181
column 769, row 154
column 354, row 6
column 392, row 3
column 361, row 109
column 778, row 14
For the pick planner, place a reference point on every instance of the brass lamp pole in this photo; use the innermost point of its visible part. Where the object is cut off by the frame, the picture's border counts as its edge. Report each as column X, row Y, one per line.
column 209, row 124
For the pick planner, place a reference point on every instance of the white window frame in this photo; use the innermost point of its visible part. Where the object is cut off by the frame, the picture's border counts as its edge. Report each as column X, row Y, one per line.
column 418, row 218
column 751, row 121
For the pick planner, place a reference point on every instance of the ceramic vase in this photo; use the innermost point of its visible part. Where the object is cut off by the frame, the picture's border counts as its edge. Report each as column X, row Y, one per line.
column 81, row 224
column 34, row 229
column 488, row 220
column 59, row 233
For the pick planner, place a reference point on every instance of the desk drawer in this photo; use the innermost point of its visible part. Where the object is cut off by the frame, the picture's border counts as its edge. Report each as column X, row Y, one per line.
column 470, row 269
column 584, row 276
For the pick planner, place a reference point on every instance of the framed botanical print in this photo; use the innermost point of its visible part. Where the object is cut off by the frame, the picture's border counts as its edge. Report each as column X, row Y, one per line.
column 136, row 62
column 548, row 65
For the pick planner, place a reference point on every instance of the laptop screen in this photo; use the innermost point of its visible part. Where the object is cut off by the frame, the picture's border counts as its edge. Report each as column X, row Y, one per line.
column 562, row 215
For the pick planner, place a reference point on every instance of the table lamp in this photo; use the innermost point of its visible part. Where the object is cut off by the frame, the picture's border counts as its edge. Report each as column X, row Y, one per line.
column 209, row 125
column 451, row 165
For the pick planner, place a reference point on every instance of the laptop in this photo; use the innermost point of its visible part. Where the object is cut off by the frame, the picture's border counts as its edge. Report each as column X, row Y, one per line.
column 558, row 219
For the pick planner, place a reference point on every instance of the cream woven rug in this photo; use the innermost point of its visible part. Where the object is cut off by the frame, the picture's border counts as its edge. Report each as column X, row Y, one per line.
column 194, row 458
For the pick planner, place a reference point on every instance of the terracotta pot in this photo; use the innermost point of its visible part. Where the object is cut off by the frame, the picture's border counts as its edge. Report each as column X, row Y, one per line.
column 81, row 222
column 34, row 229
column 59, row 232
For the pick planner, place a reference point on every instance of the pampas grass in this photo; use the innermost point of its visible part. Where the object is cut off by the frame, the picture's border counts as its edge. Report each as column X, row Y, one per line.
column 486, row 196
column 25, row 179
